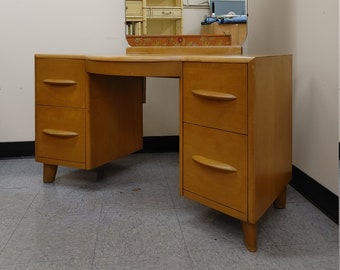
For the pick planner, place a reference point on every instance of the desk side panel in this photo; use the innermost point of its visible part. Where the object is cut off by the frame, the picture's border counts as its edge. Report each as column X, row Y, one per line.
column 270, row 131
column 114, row 118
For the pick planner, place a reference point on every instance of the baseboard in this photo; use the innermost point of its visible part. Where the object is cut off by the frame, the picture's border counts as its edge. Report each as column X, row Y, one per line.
column 320, row 196
column 16, row 149
column 158, row 144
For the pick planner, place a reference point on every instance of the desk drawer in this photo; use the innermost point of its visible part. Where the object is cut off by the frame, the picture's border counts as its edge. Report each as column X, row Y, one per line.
column 60, row 133
column 60, row 82
column 215, row 95
column 164, row 13
column 215, row 165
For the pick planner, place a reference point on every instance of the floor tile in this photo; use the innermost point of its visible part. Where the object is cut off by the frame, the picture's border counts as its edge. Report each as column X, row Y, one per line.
column 128, row 214
column 166, row 261
column 67, row 199
column 67, row 264
column 20, row 174
column 140, row 186
column 46, row 239
column 299, row 223
column 236, row 258
column 7, row 228
column 15, row 202
column 204, row 227
column 319, row 256
column 139, row 232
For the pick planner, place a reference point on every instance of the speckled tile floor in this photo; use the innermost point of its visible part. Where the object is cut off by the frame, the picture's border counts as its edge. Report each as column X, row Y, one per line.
column 129, row 215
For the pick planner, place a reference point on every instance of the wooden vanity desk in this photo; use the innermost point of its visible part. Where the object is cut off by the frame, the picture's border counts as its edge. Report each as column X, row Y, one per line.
column 235, row 122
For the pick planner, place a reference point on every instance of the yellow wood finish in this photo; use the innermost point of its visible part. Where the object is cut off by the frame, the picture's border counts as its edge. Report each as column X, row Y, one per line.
column 214, row 164
column 224, row 187
column 223, row 114
column 79, row 128
column 185, row 50
column 250, row 235
column 60, row 147
column 235, row 122
column 59, row 133
column 238, row 32
column 261, row 114
column 214, row 95
column 61, row 82
column 114, row 118
column 50, row 172
column 280, row 201
column 167, row 68
column 270, row 131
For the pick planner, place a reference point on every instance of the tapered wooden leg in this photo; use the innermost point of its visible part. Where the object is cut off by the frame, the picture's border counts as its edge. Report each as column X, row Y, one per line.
column 250, row 235
column 49, row 173
column 280, row 201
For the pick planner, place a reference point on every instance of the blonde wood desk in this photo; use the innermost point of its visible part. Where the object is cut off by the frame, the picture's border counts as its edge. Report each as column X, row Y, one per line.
column 235, row 123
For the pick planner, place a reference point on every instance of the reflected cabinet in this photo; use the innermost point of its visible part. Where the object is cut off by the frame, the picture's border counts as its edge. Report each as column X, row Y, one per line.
column 152, row 17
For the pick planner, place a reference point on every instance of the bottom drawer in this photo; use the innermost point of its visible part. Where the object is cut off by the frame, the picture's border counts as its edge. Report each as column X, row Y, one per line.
column 60, row 133
column 215, row 165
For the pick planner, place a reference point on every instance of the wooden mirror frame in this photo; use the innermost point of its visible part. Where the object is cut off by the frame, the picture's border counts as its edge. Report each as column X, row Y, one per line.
column 139, row 16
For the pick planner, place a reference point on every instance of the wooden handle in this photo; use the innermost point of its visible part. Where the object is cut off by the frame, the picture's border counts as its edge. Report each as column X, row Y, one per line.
column 214, row 164
column 59, row 82
column 214, row 95
column 60, row 133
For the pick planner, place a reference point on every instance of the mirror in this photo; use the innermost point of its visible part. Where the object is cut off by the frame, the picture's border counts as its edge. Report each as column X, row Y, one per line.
column 177, row 23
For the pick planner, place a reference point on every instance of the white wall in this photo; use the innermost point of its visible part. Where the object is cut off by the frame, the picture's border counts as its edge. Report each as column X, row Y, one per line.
column 66, row 27
column 48, row 26
column 309, row 29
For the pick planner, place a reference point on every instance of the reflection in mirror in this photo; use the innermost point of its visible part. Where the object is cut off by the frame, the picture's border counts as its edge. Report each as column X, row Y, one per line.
column 153, row 17
column 170, row 18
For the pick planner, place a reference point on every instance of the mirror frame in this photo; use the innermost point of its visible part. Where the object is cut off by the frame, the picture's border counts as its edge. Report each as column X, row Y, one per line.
column 213, row 33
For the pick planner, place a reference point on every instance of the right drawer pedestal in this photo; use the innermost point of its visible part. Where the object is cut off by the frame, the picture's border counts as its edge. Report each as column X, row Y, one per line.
column 236, row 136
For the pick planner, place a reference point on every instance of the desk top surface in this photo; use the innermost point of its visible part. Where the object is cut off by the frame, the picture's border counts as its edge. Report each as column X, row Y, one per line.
column 148, row 65
column 154, row 58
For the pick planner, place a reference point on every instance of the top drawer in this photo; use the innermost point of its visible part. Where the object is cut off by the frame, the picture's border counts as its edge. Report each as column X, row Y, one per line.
column 60, row 82
column 215, row 95
column 164, row 13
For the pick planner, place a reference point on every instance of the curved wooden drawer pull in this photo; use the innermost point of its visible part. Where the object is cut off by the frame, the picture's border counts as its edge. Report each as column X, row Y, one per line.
column 59, row 82
column 214, row 95
column 214, row 164
column 60, row 133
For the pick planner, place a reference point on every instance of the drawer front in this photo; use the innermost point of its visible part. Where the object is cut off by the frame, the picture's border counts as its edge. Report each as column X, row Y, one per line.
column 215, row 165
column 165, row 13
column 134, row 8
column 60, row 133
column 215, row 95
column 60, row 82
